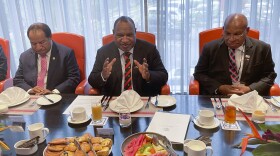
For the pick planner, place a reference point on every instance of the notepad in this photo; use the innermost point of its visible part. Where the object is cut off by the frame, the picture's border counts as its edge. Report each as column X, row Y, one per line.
column 173, row 126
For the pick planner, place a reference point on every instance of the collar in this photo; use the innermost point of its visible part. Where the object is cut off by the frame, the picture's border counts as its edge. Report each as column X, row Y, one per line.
column 121, row 51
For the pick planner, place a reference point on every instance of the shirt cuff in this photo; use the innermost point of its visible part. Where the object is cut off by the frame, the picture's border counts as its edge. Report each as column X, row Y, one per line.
column 55, row 91
column 29, row 90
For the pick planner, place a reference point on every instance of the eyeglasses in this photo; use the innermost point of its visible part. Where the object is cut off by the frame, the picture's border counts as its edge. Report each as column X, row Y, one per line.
column 236, row 36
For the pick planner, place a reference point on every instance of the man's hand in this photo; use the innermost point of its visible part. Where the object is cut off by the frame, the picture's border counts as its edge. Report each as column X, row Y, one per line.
column 231, row 89
column 39, row 91
column 143, row 69
column 107, row 68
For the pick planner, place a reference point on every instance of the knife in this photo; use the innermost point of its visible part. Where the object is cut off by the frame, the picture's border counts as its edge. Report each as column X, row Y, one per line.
column 44, row 96
column 91, row 148
column 107, row 104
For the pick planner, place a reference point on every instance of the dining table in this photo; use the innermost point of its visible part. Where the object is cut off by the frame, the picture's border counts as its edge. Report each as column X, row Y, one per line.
column 53, row 118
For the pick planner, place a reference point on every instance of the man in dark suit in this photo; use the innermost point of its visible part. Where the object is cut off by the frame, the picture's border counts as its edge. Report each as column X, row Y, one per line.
column 108, row 73
column 47, row 66
column 253, row 68
column 3, row 65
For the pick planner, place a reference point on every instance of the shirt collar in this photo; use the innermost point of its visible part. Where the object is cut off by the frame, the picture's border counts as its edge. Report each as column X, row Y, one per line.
column 121, row 51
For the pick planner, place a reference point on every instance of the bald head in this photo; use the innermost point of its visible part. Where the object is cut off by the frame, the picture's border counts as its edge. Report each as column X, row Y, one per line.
column 238, row 20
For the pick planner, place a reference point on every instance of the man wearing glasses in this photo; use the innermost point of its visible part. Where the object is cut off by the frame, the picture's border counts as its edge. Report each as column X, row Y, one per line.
column 47, row 66
column 235, row 64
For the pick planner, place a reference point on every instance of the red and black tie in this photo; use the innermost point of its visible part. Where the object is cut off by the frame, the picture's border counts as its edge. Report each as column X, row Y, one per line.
column 232, row 66
column 127, row 80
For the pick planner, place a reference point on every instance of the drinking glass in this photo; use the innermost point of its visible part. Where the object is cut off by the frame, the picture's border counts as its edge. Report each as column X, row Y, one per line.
column 96, row 110
column 230, row 114
column 124, row 117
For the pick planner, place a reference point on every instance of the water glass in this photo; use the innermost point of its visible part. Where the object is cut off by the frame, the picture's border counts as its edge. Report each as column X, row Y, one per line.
column 124, row 117
column 96, row 110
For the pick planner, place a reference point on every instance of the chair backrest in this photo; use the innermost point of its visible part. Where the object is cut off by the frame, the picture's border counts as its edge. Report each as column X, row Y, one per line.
column 149, row 37
column 216, row 33
column 77, row 43
column 6, row 48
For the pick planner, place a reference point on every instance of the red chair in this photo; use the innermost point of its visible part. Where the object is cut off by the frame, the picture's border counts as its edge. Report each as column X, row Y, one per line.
column 77, row 43
column 216, row 33
column 8, row 81
column 165, row 90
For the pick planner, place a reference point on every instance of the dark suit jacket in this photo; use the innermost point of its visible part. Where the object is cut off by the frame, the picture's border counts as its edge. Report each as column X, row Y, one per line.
column 258, row 67
column 3, row 65
column 113, row 86
column 63, row 71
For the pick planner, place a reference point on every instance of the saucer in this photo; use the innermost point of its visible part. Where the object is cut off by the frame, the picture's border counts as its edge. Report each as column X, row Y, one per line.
column 77, row 122
column 216, row 123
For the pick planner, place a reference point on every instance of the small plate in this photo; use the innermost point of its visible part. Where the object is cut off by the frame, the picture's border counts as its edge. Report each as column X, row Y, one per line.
column 164, row 101
column 216, row 123
column 44, row 102
column 77, row 122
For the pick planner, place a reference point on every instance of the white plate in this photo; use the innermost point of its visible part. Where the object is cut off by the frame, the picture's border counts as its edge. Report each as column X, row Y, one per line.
column 77, row 122
column 164, row 101
column 216, row 123
column 114, row 106
column 14, row 96
column 54, row 97
column 274, row 102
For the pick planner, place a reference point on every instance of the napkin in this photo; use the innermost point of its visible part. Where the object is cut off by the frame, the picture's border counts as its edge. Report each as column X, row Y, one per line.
column 13, row 95
column 128, row 99
column 248, row 102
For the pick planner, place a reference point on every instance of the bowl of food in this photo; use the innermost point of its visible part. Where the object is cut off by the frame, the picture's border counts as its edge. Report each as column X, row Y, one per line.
column 145, row 143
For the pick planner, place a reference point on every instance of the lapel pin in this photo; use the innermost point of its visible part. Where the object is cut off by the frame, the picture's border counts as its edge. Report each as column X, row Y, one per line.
column 247, row 56
column 53, row 58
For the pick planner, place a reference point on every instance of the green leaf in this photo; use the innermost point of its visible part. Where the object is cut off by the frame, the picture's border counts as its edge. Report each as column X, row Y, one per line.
column 273, row 128
column 251, row 142
column 270, row 149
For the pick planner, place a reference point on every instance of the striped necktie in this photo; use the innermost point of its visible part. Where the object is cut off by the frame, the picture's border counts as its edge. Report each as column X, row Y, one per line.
column 232, row 66
column 127, row 76
column 43, row 72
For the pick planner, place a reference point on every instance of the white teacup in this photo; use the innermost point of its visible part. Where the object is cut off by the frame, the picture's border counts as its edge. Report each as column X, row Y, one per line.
column 78, row 114
column 38, row 129
column 206, row 117
column 196, row 148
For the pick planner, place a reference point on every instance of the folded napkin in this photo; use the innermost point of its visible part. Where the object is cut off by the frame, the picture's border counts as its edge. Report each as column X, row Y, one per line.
column 13, row 95
column 128, row 99
column 248, row 102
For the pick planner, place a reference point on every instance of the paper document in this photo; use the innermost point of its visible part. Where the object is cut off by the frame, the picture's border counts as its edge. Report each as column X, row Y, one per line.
column 173, row 126
column 84, row 101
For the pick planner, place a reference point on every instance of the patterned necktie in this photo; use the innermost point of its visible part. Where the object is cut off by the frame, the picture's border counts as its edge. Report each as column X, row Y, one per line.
column 232, row 66
column 43, row 72
column 127, row 76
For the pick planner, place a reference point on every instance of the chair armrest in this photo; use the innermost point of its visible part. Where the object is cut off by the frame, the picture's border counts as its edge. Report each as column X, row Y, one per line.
column 274, row 90
column 193, row 87
column 6, row 84
column 165, row 90
column 81, row 88
column 94, row 91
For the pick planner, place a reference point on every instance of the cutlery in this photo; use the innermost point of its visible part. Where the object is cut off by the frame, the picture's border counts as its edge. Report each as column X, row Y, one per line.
column 104, row 96
column 147, row 105
column 218, row 106
column 91, row 148
column 103, row 100
column 79, row 147
column 270, row 105
column 107, row 104
column 156, row 102
column 44, row 96
column 4, row 145
column 30, row 143
column 278, row 102
column 167, row 147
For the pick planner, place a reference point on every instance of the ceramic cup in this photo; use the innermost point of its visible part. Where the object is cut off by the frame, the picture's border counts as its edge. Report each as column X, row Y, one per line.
column 206, row 117
column 197, row 148
column 78, row 114
column 38, row 129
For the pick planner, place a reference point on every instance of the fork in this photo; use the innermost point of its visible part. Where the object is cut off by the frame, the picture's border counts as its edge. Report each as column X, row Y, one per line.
column 147, row 105
column 270, row 105
column 156, row 102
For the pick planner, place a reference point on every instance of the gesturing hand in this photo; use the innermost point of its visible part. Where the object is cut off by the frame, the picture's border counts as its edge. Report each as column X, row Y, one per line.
column 143, row 69
column 107, row 68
